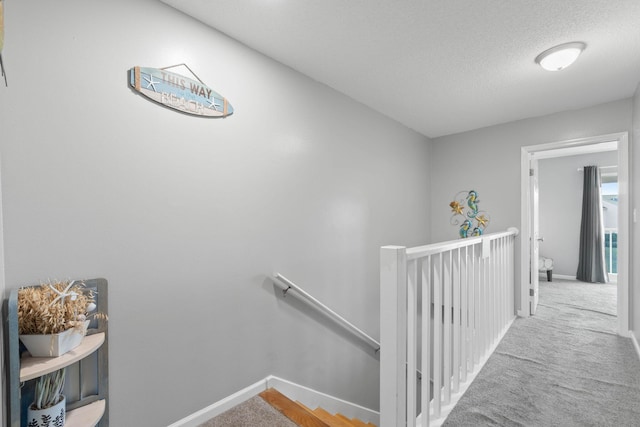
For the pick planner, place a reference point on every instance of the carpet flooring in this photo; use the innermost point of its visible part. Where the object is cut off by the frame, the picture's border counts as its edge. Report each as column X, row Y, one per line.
column 565, row 366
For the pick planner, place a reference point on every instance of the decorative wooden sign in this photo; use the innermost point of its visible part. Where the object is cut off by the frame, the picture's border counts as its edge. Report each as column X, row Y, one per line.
column 179, row 92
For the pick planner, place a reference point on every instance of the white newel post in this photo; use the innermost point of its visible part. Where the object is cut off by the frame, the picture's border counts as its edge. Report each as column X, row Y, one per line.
column 393, row 336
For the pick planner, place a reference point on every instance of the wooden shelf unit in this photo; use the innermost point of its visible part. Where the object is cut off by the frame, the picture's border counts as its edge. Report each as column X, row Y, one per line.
column 34, row 367
column 87, row 381
column 86, row 416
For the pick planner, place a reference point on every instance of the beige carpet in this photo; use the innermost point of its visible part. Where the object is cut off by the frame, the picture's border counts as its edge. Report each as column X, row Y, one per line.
column 254, row 412
column 565, row 366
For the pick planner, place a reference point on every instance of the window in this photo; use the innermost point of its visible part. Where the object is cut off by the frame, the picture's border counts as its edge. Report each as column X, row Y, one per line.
column 609, row 191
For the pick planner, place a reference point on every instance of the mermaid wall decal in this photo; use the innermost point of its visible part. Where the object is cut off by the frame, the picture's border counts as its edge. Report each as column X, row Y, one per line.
column 470, row 220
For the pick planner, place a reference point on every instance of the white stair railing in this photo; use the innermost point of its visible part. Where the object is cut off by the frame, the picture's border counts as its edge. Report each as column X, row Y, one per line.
column 443, row 310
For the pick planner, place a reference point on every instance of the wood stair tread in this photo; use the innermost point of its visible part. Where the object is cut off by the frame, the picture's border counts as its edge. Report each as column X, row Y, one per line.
column 307, row 417
column 304, row 406
column 291, row 409
column 331, row 419
column 354, row 421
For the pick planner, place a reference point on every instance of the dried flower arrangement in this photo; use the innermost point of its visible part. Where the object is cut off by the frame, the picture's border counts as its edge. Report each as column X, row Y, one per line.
column 52, row 308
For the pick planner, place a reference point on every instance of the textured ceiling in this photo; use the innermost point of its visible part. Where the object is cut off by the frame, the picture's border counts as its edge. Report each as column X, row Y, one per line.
column 443, row 66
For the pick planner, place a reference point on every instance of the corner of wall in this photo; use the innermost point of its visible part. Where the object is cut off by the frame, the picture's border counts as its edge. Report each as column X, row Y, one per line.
column 635, row 336
column 634, row 290
column 3, row 404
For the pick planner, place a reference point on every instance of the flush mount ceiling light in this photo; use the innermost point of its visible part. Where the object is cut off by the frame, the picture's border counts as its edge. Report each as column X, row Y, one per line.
column 561, row 56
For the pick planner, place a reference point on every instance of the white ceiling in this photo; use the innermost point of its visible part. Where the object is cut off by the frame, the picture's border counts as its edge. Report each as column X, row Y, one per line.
column 443, row 66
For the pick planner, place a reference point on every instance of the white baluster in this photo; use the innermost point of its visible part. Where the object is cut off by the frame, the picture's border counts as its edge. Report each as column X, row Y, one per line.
column 412, row 345
column 437, row 336
column 464, row 315
column 447, row 328
column 426, row 341
column 456, row 321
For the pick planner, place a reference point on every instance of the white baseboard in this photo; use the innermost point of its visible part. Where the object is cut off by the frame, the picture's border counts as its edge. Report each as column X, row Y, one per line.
column 564, row 276
column 309, row 397
column 197, row 418
column 635, row 342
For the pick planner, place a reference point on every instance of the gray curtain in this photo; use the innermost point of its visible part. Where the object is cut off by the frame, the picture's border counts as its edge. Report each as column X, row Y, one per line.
column 591, row 264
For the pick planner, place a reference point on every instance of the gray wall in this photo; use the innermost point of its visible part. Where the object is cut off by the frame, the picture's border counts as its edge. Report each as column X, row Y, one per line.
column 3, row 378
column 488, row 160
column 634, row 280
column 560, row 208
column 186, row 217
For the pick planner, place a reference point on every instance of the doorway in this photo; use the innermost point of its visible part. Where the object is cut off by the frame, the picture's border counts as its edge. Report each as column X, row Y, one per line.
column 528, row 241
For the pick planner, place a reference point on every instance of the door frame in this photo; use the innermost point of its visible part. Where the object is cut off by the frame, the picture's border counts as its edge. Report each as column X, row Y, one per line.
column 534, row 231
column 570, row 148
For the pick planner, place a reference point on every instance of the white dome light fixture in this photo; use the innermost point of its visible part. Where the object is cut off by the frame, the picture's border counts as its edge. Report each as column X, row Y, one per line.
column 560, row 57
